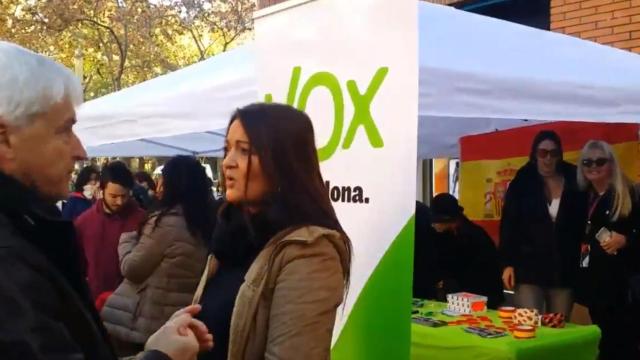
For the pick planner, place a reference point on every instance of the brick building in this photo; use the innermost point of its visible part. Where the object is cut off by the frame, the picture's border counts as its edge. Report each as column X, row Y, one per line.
column 610, row 22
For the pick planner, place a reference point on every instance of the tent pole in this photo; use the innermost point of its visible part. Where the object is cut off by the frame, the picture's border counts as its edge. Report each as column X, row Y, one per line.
column 427, row 183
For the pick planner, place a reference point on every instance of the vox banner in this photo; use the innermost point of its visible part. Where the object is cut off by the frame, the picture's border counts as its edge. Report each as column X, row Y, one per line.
column 353, row 67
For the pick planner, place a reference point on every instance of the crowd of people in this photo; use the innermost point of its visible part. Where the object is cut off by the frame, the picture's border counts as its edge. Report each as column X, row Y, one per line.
column 131, row 267
column 129, row 271
column 568, row 234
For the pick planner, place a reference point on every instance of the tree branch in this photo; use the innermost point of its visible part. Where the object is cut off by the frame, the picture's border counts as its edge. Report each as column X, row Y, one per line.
column 121, row 50
column 197, row 41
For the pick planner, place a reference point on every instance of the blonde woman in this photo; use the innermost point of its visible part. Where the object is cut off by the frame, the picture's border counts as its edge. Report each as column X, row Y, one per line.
column 606, row 250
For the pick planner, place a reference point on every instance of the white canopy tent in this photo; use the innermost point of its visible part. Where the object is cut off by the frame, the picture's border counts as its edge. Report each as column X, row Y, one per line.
column 477, row 74
column 183, row 112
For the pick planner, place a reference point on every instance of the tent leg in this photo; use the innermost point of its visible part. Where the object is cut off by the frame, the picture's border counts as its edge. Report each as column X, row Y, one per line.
column 424, row 181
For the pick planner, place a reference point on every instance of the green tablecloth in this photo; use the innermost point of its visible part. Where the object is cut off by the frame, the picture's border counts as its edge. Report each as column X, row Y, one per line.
column 574, row 342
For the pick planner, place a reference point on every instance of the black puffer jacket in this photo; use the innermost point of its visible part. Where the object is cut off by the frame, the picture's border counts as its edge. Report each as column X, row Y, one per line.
column 605, row 282
column 542, row 252
column 468, row 261
column 425, row 260
column 45, row 308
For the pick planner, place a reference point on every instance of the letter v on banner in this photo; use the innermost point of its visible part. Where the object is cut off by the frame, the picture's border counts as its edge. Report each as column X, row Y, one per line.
column 357, row 78
column 361, row 106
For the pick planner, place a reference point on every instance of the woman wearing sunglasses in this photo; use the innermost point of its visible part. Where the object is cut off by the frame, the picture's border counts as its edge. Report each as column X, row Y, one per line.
column 541, row 228
column 606, row 251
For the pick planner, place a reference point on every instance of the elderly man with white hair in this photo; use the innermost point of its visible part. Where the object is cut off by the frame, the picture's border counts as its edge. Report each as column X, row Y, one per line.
column 46, row 311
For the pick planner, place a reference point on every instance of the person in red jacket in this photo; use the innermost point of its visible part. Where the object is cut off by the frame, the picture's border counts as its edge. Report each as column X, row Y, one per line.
column 99, row 228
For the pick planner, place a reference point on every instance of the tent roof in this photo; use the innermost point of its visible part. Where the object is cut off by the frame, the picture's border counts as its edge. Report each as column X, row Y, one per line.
column 476, row 66
column 477, row 74
column 197, row 144
column 173, row 109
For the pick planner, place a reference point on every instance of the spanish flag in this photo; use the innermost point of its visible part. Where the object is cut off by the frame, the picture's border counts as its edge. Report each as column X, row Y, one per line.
column 488, row 162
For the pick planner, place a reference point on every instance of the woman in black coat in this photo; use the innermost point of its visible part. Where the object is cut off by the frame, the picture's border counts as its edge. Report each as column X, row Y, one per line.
column 541, row 228
column 608, row 249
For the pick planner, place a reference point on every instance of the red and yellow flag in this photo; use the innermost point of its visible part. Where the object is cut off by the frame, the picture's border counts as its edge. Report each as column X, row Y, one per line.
column 488, row 162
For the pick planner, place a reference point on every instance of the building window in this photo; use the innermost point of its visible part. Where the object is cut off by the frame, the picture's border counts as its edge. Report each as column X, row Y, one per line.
column 534, row 13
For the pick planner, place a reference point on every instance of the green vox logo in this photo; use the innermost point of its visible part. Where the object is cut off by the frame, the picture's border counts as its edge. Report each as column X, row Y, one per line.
column 361, row 106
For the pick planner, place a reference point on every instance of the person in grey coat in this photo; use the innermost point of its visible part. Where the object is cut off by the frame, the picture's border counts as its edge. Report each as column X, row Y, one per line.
column 163, row 262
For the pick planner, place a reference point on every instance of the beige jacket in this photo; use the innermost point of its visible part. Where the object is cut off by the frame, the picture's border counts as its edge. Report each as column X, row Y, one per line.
column 161, row 272
column 286, row 307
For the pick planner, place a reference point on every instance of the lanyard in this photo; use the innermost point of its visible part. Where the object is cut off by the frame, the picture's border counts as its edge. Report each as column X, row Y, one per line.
column 592, row 208
column 594, row 205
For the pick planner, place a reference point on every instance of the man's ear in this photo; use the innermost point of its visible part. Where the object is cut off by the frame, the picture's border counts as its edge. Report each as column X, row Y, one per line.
column 6, row 151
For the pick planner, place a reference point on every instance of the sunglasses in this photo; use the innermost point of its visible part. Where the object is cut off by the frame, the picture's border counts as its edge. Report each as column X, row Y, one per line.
column 544, row 153
column 599, row 162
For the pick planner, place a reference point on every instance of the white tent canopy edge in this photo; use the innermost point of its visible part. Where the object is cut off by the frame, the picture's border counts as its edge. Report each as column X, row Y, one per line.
column 477, row 74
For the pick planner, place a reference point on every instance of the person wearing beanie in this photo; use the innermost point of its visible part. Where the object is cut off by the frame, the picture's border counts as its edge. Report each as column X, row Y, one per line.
column 425, row 259
column 467, row 257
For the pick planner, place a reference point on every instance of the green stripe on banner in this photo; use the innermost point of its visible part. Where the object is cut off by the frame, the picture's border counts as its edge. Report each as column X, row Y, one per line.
column 379, row 326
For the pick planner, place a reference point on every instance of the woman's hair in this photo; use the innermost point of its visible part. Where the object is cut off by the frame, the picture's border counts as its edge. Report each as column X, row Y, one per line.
column 84, row 177
column 540, row 137
column 186, row 185
column 142, row 177
column 283, row 139
column 619, row 182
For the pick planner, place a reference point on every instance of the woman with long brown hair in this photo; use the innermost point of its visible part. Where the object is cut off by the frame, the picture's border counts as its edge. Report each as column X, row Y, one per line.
column 541, row 228
column 162, row 262
column 281, row 259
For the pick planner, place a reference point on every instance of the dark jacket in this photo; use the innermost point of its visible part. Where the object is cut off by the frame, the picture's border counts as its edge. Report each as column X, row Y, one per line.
column 468, row 261
column 99, row 234
column 605, row 282
column 45, row 308
column 425, row 261
column 75, row 206
column 542, row 252
column 141, row 194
